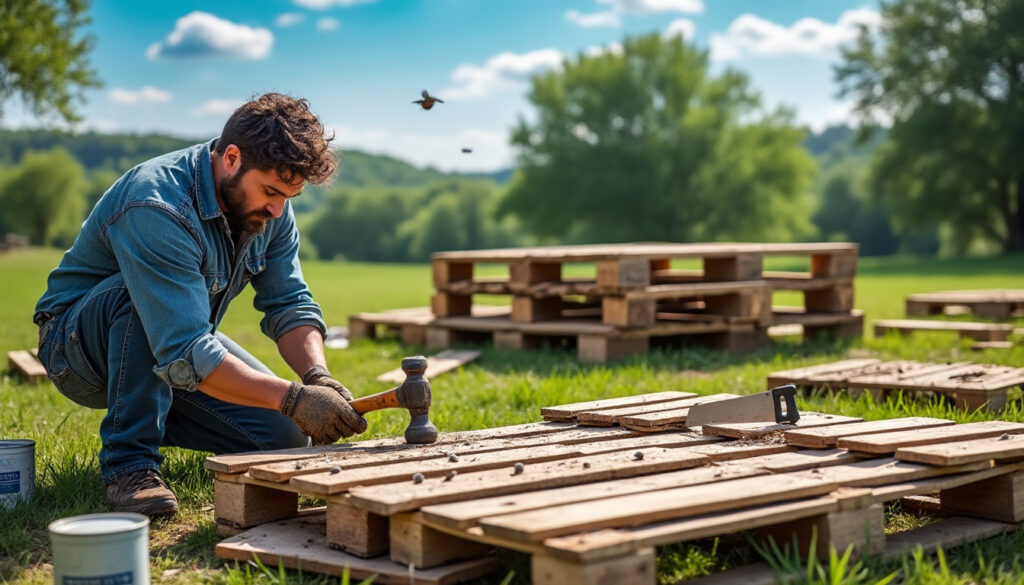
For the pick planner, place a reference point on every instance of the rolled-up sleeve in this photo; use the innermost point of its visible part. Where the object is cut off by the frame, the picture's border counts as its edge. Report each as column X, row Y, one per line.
column 281, row 293
column 160, row 258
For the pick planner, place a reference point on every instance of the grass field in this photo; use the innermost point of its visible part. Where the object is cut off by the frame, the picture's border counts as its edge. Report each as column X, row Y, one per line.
column 502, row 388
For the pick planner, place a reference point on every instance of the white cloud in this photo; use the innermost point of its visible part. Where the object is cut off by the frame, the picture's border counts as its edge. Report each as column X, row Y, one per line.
column 614, row 47
column 681, row 26
column 201, row 34
column 490, row 150
column 324, row 4
column 286, row 19
column 751, row 35
column 219, row 107
column 606, row 18
column 327, row 24
column 139, row 97
column 646, row 6
column 500, row 72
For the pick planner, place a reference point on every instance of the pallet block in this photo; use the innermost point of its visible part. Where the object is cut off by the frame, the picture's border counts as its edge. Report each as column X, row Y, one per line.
column 25, row 363
column 419, row 546
column 356, row 531
column 634, row 569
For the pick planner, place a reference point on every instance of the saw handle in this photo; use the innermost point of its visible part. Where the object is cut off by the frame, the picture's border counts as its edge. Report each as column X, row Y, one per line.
column 785, row 393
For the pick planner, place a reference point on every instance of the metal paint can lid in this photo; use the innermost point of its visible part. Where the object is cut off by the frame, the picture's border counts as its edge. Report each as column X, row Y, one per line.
column 99, row 524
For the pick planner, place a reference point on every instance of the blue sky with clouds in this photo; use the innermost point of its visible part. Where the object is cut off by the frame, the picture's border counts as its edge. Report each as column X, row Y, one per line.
column 181, row 67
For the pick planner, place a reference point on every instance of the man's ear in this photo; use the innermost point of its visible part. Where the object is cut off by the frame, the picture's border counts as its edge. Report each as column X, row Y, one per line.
column 232, row 159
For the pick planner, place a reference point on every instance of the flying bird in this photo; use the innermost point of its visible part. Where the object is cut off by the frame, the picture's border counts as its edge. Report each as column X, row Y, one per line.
column 428, row 101
column 467, row 150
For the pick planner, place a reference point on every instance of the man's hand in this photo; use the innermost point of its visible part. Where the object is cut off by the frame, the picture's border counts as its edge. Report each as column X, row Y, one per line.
column 319, row 376
column 321, row 413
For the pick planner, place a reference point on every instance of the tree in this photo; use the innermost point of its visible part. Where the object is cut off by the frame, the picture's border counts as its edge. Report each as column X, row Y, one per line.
column 645, row 145
column 45, row 197
column 949, row 74
column 40, row 58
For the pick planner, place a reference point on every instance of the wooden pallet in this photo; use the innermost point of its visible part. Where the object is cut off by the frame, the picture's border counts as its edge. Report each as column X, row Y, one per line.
column 990, row 304
column 967, row 329
column 590, row 503
column 634, row 283
column 971, row 386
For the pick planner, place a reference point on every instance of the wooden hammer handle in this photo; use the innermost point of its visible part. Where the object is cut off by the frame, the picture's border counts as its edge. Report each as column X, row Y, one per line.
column 385, row 399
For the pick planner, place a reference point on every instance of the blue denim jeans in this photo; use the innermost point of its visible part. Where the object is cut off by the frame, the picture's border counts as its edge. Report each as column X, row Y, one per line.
column 97, row 354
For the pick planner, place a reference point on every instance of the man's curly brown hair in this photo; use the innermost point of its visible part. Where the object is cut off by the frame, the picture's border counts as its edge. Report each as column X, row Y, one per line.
column 278, row 132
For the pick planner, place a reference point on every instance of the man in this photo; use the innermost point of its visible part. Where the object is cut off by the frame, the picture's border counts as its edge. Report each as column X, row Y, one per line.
column 129, row 319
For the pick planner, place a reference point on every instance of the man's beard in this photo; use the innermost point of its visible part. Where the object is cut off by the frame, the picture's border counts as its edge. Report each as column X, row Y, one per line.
column 240, row 220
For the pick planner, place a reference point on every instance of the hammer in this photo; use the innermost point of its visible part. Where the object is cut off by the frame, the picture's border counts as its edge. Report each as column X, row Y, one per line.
column 413, row 394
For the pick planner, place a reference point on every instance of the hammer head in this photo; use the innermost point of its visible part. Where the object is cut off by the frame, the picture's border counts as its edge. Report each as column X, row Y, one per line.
column 414, row 394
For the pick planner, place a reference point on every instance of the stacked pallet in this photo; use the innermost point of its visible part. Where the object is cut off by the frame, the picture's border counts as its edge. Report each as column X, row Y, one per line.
column 634, row 299
column 970, row 386
column 589, row 503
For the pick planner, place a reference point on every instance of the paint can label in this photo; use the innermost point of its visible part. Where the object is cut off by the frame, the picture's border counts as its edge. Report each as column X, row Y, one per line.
column 10, row 482
column 115, row 579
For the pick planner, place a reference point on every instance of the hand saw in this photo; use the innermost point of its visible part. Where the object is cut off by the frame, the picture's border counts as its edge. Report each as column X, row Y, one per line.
column 777, row 405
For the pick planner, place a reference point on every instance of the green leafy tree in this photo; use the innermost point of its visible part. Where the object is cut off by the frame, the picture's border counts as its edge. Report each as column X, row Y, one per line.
column 45, row 197
column 950, row 77
column 646, row 145
column 847, row 214
column 41, row 57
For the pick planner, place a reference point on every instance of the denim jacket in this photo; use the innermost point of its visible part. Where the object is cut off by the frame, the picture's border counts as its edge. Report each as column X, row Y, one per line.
column 160, row 226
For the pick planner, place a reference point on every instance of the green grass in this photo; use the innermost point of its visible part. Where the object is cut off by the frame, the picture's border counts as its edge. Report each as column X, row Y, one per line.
column 501, row 388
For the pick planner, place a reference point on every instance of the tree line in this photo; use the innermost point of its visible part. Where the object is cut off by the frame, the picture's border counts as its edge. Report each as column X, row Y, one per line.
column 645, row 143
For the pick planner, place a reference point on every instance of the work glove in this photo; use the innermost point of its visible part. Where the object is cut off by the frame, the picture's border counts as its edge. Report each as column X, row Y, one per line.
column 319, row 376
column 321, row 413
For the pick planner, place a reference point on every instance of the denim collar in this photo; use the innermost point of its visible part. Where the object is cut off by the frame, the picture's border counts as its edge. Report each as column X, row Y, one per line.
column 206, row 191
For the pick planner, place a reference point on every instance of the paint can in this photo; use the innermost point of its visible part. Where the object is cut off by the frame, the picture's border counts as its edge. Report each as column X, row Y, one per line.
column 101, row 549
column 17, row 471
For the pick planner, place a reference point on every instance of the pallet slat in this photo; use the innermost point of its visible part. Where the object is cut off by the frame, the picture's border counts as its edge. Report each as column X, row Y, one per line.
column 825, row 437
column 889, row 442
column 568, row 412
column 1001, row 447
column 756, row 430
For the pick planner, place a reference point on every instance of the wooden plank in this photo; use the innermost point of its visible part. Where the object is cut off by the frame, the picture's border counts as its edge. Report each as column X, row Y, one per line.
column 332, row 483
column 240, row 462
column 610, row 417
column 668, row 419
column 466, row 513
column 966, row 297
column 390, row 498
column 27, row 365
column 882, row 325
column 594, row 252
column 438, row 364
column 906, row 375
column 1002, row 447
column 891, row 441
column 283, row 471
column 639, row 509
column 300, row 543
column 825, row 437
column 946, row 533
column 955, row 477
column 568, row 412
column 800, row 375
column 591, row 546
column 756, row 430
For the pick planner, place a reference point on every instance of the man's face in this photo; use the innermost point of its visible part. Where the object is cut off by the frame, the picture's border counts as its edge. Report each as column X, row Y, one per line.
column 253, row 196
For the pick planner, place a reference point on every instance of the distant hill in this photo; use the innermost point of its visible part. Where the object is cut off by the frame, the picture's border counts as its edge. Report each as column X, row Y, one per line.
column 120, row 152
column 838, row 142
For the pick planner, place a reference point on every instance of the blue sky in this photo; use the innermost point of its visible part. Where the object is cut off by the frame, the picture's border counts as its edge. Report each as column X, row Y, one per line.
column 180, row 67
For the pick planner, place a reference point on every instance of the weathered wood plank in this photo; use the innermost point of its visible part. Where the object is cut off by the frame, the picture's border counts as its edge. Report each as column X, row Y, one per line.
column 756, row 430
column 283, row 471
column 300, row 543
column 438, row 364
column 668, row 419
column 463, row 514
column 240, row 462
column 891, row 441
column 331, row 483
column 798, row 375
column 27, row 365
column 825, row 437
column 568, row 412
column 639, row 509
column 609, row 417
column 1001, row 447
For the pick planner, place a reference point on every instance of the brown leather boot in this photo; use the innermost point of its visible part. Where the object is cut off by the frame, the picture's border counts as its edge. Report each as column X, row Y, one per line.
column 142, row 491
